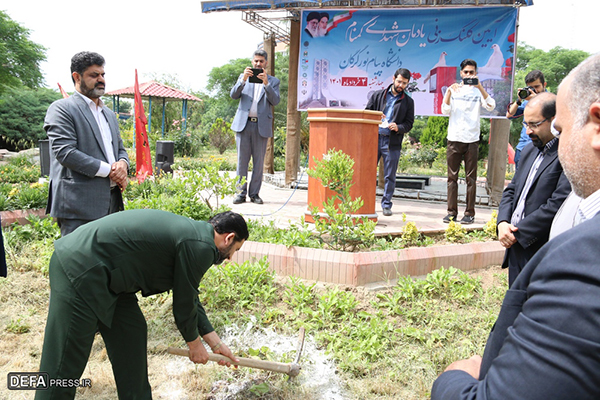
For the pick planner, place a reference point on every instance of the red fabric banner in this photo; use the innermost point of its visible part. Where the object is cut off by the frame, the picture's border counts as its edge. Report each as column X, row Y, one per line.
column 143, row 159
column 62, row 91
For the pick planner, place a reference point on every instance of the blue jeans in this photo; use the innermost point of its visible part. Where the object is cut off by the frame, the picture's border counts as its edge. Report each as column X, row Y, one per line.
column 390, row 165
column 517, row 158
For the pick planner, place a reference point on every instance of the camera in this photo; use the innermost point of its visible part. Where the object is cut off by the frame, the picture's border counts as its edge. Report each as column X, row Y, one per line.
column 525, row 92
column 471, row 81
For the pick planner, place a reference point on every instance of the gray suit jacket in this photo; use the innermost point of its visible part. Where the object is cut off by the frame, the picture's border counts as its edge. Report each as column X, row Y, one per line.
column 76, row 151
column 269, row 97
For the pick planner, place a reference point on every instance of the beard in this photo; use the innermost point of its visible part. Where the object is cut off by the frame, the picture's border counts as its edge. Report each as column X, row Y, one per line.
column 92, row 93
column 224, row 254
column 314, row 32
column 537, row 142
column 398, row 90
column 321, row 31
column 579, row 172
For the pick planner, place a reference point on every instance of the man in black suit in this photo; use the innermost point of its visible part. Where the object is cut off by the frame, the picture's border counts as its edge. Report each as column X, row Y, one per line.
column 546, row 341
column 536, row 192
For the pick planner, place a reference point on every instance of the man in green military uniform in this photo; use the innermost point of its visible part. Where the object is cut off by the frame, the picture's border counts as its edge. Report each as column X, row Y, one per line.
column 95, row 273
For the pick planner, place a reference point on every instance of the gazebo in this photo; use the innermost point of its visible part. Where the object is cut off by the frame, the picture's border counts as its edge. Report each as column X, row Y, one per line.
column 154, row 89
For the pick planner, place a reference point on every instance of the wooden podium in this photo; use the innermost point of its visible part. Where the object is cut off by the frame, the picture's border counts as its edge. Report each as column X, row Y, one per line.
column 355, row 132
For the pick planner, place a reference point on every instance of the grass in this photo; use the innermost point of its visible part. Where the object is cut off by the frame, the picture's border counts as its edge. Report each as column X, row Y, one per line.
column 389, row 344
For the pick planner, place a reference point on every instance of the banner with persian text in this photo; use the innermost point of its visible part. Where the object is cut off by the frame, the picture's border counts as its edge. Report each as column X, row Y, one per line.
column 346, row 55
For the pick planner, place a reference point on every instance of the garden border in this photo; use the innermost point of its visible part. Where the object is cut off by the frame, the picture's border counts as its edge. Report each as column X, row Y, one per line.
column 370, row 269
column 20, row 216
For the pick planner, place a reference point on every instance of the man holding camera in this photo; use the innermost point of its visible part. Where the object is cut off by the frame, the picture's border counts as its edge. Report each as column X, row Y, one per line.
column 253, row 122
column 462, row 102
column 535, row 84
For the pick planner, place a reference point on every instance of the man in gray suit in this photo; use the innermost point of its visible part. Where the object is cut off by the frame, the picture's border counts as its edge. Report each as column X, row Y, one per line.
column 253, row 123
column 88, row 168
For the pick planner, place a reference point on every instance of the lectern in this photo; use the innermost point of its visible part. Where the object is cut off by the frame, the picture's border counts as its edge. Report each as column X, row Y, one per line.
column 355, row 132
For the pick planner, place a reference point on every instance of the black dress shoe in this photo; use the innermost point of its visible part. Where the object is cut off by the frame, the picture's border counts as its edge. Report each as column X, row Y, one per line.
column 256, row 199
column 239, row 199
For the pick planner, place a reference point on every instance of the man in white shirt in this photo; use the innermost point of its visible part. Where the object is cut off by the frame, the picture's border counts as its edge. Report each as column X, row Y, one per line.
column 463, row 102
column 89, row 164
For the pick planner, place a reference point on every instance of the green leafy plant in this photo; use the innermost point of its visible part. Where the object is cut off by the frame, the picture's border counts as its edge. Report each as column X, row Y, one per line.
column 221, row 136
column 195, row 194
column 455, row 232
column 23, row 196
column 490, row 227
column 410, row 232
column 18, row 170
column 339, row 229
column 17, row 326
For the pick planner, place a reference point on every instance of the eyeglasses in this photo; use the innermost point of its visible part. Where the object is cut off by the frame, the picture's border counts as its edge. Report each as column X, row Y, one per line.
column 533, row 125
column 553, row 129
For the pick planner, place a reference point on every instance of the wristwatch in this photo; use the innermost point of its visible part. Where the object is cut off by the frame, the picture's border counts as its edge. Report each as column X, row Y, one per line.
column 518, row 102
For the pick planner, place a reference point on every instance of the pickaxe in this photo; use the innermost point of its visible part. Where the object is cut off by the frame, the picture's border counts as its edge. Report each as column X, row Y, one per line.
column 291, row 369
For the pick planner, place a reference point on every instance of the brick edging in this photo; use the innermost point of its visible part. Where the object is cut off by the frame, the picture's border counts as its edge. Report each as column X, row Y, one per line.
column 365, row 268
column 20, row 216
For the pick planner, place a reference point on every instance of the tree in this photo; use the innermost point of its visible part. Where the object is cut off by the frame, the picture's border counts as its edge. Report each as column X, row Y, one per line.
column 436, row 131
column 221, row 135
column 555, row 64
column 20, row 58
column 23, row 111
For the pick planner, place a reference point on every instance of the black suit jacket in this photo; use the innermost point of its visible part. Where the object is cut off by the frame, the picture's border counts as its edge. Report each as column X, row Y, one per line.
column 548, row 191
column 545, row 344
column 403, row 115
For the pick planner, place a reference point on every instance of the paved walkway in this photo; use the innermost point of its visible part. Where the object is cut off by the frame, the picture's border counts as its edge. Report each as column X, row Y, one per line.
column 425, row 208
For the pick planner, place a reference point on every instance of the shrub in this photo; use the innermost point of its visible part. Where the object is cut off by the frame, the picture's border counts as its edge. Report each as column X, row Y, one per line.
column 339, row 229
column 19, row 169
column 221, row 136
column 436, row 131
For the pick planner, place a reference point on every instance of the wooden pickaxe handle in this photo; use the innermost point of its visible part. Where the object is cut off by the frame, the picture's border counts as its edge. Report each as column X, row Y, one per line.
column 291, row 369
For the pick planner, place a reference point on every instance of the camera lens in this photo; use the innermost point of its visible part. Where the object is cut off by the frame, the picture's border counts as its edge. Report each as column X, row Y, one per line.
column 523, row 94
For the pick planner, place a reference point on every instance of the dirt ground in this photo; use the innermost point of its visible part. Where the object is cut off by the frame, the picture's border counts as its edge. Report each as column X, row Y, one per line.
column 24, row 299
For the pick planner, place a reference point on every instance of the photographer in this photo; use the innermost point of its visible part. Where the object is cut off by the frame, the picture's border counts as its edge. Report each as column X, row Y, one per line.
column 535, row 84
column 460, row 103
column 258, row 93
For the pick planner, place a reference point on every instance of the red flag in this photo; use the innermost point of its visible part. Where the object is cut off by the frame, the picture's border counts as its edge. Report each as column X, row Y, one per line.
column 143, row 160
column 511, row 154
column 62, row 91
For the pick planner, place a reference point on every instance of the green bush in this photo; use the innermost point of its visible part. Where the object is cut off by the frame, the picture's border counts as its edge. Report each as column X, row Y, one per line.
column 436, row 132
column 23, row 111
column 23, row 196
column 194, row 194
column 186, row 144
column 221, row 136
column 19, row 169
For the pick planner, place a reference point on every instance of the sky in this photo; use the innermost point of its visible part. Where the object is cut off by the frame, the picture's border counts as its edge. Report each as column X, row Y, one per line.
column 173, row 37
